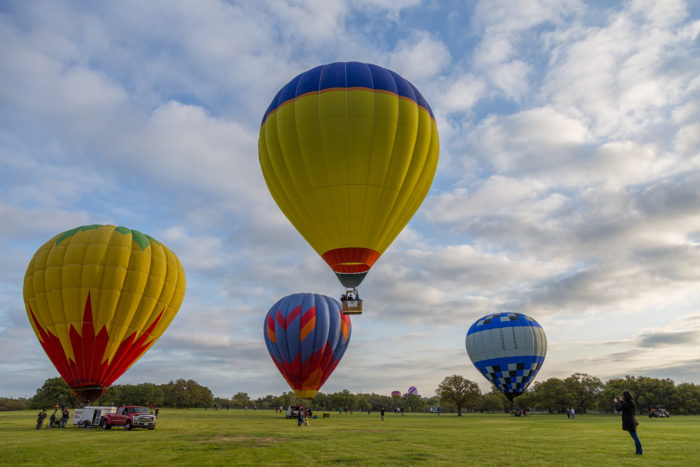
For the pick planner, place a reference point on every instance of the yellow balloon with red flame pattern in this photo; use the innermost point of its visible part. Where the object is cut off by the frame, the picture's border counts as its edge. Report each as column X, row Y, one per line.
column 98, row 297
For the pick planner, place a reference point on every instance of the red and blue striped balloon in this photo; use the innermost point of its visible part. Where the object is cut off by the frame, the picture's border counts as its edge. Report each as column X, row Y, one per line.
column 306, row 335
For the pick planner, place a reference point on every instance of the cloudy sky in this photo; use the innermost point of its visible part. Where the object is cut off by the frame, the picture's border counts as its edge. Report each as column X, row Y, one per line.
column 568, row 186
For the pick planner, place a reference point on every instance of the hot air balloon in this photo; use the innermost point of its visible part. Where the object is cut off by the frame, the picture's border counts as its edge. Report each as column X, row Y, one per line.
column 395, row 393
column 348, row 152
column 412, row 391
column 508, row 349
column 306, row 335
column 98, row 297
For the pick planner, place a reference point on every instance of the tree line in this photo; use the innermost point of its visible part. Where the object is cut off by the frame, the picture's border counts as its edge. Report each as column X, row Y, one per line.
column 585, row 393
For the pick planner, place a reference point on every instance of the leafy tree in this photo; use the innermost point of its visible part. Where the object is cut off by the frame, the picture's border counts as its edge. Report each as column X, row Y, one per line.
column 320, row 401
column 688, row 396
column 241, row 399
column 268, row 401
column 186, row 393
column 287, row 399
column 583, row 390
column 362, row 403
column 654, row 391
column 133, row 394
column 377, row 401
column 459, row 391
column 414, row 402
column 54, row 391
column 612, row 388
column 526, row 400
column 550, row 395
column 222, row 402
column 490, row 403
column 343, row 399
column 7, row 404
column 433, row 401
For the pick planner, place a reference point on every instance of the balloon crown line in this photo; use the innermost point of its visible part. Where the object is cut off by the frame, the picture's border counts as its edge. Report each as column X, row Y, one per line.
column 140, row 238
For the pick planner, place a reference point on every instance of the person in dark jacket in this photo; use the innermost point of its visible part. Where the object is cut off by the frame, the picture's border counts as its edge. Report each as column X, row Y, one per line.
column 40, row 419
column 64, row 417
column 627, row 406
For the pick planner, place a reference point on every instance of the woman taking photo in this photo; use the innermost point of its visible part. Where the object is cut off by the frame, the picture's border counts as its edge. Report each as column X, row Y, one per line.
column 626, row 405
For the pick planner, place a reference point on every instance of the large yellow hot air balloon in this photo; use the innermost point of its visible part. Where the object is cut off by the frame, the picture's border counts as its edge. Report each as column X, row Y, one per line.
column 98, row 297
column 348, row 152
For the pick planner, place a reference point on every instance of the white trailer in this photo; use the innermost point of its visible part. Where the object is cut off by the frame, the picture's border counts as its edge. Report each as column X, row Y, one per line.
column 91, row 415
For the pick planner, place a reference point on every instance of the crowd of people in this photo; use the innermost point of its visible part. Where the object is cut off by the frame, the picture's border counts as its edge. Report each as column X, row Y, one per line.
column 54, row 420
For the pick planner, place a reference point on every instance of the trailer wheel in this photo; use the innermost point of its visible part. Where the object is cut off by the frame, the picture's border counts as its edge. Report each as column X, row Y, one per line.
column 127, row 427
column 105, row 425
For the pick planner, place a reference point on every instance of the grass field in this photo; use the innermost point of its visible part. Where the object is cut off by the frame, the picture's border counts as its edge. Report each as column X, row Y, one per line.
column 196, row 437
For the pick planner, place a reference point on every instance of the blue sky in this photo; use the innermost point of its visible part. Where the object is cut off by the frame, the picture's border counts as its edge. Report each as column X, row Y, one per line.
column 568, row 186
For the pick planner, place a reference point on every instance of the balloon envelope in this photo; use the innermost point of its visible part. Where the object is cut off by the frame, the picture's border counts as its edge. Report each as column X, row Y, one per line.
column 306, row 335
column 395, row 393
column 348, row 152
column 508, row 349
column 412, row 391
column 98, row 296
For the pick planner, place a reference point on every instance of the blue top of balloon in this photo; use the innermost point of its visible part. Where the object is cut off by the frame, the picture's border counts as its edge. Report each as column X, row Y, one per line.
column 502, row 320
column 346, row 75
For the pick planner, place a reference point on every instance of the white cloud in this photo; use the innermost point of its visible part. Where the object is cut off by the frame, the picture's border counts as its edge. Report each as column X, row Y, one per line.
column 621, row 77
column 461, row 94
column 420, row 58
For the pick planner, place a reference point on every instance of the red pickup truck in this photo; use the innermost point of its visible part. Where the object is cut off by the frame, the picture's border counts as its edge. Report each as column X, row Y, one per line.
column 129, row 416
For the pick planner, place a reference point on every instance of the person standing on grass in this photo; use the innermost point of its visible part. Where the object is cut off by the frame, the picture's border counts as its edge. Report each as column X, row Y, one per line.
column 300, row 416
column 382, row 412
column 626, row 405
column 52, row 420
column 40, row 419
column 64, row 417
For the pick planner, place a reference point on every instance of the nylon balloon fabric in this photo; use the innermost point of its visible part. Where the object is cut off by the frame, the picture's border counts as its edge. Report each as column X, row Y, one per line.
column 306, row 335
column 98, row 297
column 349, row 151
column 508, row 349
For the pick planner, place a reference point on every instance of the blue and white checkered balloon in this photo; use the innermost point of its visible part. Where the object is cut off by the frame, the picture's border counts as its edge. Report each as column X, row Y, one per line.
column 508, row 349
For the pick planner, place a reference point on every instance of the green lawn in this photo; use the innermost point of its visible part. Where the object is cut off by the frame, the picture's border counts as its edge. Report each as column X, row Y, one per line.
column 196, row 436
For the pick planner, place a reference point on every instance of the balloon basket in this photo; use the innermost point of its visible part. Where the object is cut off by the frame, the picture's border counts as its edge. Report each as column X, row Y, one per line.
column 352, row 307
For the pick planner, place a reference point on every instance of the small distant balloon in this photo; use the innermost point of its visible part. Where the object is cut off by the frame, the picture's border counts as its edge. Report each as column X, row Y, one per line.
column 395, row 393
column 508, row 349
column 412, row 391
column 306, row 335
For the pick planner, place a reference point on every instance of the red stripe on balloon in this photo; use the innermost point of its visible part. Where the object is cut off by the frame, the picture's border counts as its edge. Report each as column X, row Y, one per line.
column 295, row 376
column 307, row 316
column 351, row 260
column 284, row 322
column 90, row 368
